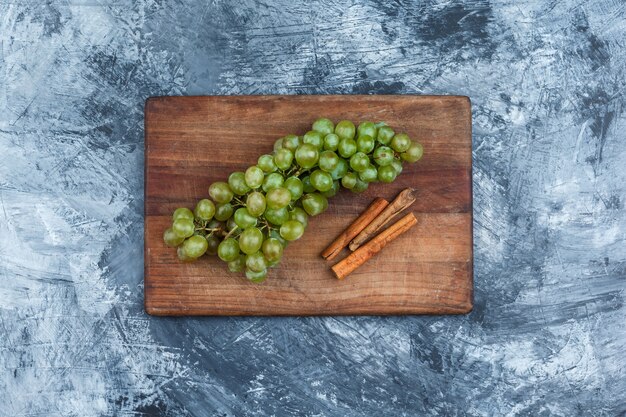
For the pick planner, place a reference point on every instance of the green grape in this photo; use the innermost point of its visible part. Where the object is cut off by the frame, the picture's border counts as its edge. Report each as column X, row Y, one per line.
column 385, row 134
column 223, row 212
column 360, row 186
column 292, row 230
column 314, row 203
column 182, row 255
column 283, row 158
column 324, row 126
column 414, row 153
column 328, row 161
column 272, row 249
column 171, row 239
column 272, row 264
column 215, row 224
column 250, row 240
column 228, row 250
column 195, row 246
column 367, row 128
column 256, row 262
column 275, row 234
column 291, row 142
column 182, row 213
column 256, row 277
column 349, row 180
column 383, row 156
column 220, row 192
column 340, row 170
column 238, row 264
column 278, row 144
column 400, row 142
column 266, row 163
column 386, row 173
column 370, row 174
column 300, row 215
column 333, row 190
column 365, row 144
column 255, row 203
column 314, row 138
column 347, row 147
column 306, row 184
column 359, row 162
column 397, row 165
column 273, row 180
column 231, row 223
column 306, row 155
column 205, row 209
column 321, row 181
column 213, row 242
column 244, row 219
column 345, row 129
column 254, row 177
column 183, row 227
column 295, row 187
column 237, row 183
column 331, row 141
column 277, row 216
column 278, row 198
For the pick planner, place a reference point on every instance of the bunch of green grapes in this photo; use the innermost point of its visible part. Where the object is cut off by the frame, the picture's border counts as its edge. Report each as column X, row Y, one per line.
column 250, row 219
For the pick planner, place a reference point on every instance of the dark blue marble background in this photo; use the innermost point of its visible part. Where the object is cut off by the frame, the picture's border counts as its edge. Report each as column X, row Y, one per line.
column 547, row 336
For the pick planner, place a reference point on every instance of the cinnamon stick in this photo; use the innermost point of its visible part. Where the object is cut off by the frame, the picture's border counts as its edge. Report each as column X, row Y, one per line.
column 403, row 200
column 370, row 213
column 357, row 258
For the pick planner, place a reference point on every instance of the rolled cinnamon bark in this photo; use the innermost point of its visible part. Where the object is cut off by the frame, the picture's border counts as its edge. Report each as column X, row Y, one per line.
column 374, row 209
column 402, row 201
column 345, row 267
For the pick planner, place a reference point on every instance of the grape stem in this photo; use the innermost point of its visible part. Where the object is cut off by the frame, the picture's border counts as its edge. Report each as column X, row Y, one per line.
column 209, row 230
column 267, row 226
column 231, row 232
column 296, row 173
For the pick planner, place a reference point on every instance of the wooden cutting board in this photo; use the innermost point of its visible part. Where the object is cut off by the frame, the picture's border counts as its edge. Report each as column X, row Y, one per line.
column 192, row 141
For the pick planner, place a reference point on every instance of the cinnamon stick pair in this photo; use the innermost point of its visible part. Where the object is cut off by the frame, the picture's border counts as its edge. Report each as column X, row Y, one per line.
column 371, row 248
column 377, row 215
column 402, row 201
column 357, row 226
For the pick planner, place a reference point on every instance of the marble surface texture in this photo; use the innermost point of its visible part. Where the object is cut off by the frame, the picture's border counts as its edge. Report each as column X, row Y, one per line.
column 547, row 336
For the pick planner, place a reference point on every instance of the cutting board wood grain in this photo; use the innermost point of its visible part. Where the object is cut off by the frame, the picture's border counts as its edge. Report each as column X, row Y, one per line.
column 193, row 141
